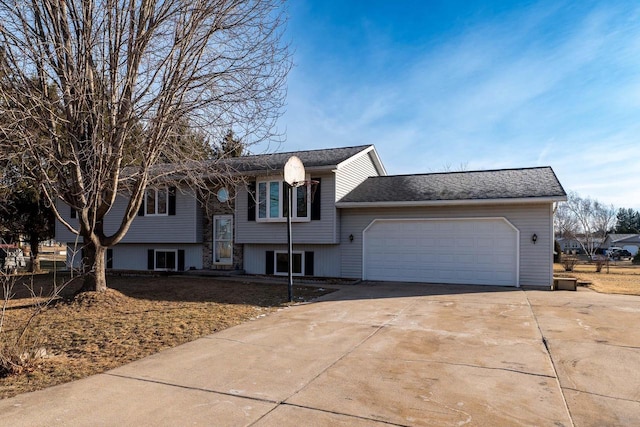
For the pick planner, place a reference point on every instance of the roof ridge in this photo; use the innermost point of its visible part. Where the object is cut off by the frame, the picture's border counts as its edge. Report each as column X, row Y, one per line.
column 464, row 172
column 278, row 153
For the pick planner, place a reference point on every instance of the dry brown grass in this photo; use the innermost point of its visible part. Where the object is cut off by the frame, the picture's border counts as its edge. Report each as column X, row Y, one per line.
column 620, row 277
column 136, row 317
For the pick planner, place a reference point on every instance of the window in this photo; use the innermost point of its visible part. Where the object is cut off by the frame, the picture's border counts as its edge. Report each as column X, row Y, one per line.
column 223, row 239
column 272, row 202
column 300, row 202
column 282, row 263
column 165, row 260
column 157, row 201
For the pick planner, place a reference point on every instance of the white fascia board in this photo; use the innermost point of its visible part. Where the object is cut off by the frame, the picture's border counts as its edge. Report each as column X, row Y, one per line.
column 273, row 172
column 375, row 157
column 450, row 202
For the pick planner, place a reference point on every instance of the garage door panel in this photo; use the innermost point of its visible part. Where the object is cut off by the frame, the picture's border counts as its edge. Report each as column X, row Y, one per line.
column 474, row 251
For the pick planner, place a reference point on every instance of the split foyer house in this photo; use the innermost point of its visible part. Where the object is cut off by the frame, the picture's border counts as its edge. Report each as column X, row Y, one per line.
column 351, row 220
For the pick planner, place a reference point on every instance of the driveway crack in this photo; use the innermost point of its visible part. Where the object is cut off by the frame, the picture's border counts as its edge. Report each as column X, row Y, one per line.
column 602, row 395
column 553, row 365
column 207, row 390
column 494, row 368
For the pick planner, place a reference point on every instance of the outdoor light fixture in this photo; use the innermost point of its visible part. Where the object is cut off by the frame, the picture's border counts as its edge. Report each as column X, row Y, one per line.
column 351, row 237
column 534, row 238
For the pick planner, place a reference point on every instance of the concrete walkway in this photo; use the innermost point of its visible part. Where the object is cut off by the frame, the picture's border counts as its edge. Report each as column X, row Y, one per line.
column 376, row 355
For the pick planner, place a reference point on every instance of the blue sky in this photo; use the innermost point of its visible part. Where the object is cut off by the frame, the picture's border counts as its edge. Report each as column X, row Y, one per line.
column 439, row 85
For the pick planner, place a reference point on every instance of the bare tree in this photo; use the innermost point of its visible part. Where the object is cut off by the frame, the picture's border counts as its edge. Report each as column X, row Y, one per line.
column 604, row 219
column 586, row 217
column 565, row 223
column 448, row 167
column 95, row 94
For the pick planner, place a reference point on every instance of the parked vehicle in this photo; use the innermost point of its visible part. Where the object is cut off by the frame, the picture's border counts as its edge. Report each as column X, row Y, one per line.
column 612, row 249
column 619, row 254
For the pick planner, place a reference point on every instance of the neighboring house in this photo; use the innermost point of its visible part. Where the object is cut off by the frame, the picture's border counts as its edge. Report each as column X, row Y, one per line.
column 351, row 220
column 569, row 245
column 576, row 245
column 630, row 242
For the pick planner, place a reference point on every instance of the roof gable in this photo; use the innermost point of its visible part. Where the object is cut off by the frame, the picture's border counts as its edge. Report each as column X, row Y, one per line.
column 624, row 238
column 524, row 184
column 323, row 159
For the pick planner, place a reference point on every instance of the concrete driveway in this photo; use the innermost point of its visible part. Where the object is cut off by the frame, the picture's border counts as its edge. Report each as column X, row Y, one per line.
column 380, row 354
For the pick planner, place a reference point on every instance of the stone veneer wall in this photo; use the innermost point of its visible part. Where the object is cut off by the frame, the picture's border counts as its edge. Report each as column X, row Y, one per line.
column 215, row 207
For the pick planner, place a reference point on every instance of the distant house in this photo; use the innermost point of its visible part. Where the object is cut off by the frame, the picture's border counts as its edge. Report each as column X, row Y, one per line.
column 352, row 220
column 575, row 245
column 630, row 242
column 569, row 245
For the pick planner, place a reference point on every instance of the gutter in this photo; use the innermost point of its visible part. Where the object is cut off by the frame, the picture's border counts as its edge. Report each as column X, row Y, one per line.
column 524, row 200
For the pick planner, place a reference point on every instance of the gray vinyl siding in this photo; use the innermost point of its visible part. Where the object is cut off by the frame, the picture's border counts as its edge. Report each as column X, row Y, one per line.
column 326, row 258
column 536, row 262
column 183, row 227
column 62, row 233
column 352, row 173
column 134, row 257
column 199, row 221
column 348, row 177
column 321, row 231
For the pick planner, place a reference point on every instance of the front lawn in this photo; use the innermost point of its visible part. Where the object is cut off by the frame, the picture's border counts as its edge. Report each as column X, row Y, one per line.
column 138, row 316
column 621, row 277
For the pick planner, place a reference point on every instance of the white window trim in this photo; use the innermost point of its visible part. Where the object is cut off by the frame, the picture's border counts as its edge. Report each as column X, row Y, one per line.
column 156, row 190
column 155, row 259
column 294, row 209
column 286, row 273
column 215, row 240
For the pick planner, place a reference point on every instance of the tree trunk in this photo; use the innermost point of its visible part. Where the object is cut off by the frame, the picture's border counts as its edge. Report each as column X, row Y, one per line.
column 95, row 279
column 34, row 244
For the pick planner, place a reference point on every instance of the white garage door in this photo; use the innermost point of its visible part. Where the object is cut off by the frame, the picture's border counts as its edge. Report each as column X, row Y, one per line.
column 481, row 251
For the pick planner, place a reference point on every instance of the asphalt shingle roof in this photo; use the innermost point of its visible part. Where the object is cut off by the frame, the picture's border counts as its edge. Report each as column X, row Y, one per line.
column 619, row 237
column 328, row 158
column 474, row 185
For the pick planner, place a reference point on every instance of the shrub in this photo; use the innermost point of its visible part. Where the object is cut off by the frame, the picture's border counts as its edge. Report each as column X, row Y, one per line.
column 569, row 261
column 636, row 259
column 20, row 353
column 21, row 345
column 601, row 261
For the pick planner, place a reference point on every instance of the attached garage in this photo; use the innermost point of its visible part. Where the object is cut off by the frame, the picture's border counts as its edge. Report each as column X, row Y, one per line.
column 480, row 227
column 480, row 251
